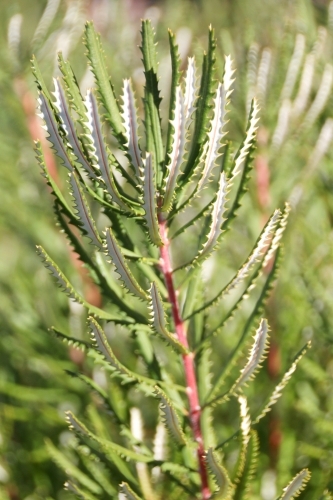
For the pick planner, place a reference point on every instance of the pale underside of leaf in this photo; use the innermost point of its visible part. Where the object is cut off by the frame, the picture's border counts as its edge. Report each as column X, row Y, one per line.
column 98, row 149
column 256, row 254
column 129, row 116
column 245, row 428
column 170, row 417
column 218, row 211
column 211, row 151
column 256, row 356
column 296, row 486
column 69, row 128
column 248, row 141
column 52, row 129
column 279, row 388
column 149, row 201
column 190, row 90
column 177, row 153
column 127, row 491
column 220, row 475
column 118, row 259
column 159, row 321
column 83, row 211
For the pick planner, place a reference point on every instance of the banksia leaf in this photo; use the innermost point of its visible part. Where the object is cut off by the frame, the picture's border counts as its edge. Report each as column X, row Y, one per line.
column 285, row 379
column 243, row 486
column 259, row 248
column 98, row 150
column 106, row 445
column 51, row 128
column 97, row 62
column 296, row 486
column 70, row 469
column 203, row 106
column 159, row 321
column 190, row 91
column 218, row 211
column 152, row 98
column 71, row 341
column 82, row 494
column 170, row 417
column 245, row 428
column 55, row 190
column 72, row 90
column 149, row 201
column 68, row 288
column 129, row 116
column 249, row 140
column 177, row 149
column 175, row 77
column 278, row 234
column 219, row 474
column 69, row 128
column 128, row 493
column 257, row 355
column 83, row 211
column 216, row 133
column 118, row 259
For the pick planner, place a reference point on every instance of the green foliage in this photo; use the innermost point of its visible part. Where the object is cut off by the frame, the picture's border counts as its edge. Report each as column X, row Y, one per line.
column 138, row 221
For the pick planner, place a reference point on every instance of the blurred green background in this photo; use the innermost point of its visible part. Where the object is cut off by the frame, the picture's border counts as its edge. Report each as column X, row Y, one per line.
column 294, row 162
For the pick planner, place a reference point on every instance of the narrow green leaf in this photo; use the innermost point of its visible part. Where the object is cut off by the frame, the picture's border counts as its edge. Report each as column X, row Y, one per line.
column 159, row 322
column 68, row 288
column 243, row 485
column 296, row 486
column 130, row 121
column 118, row 259
column 170, row 417
column 245, row 428
column 97, row 62
column 152, row 98
column 219, row 474
column 86, row 221
column 128, row 493
column 72, row 90
column 149, row 201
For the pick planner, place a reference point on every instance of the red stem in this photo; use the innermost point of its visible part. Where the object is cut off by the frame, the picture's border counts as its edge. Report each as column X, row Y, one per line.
column 188, row 359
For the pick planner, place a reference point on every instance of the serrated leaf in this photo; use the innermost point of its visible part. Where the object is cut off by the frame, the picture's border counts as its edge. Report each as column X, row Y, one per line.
column 86, row 221
column 72, row 90
column 249, row 140
column 83, row 495
column 118, row 259
column 149, row 201
column 217, row 218
column 127, row 491
column 170, row 417
column 98, row 149
column 106, row 445
column 203, row 106
column 129, row 116
column 220, row 475
column 70, row 469
column 296, row 486
column 217, row 123
column 50, row 182
column 245, row 428
column 257, row 355
column 279, row 388
column 190, row 91
column 152, row 98
column 175, row 77
column 68, row 288
column 97, row 62
column 71, row 341
column 243, row 486
column 159, row 321
column 258, row 250
column 69, row 128
column 51, row 128
column 177, row 142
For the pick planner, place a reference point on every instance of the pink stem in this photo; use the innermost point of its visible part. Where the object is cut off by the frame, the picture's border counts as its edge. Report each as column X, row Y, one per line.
column 188, row 359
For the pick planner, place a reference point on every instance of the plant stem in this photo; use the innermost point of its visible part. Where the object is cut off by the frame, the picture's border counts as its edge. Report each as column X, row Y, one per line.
column 188, row 359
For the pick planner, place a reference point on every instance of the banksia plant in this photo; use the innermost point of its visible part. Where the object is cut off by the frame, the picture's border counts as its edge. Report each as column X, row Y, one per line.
column 146, row 217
